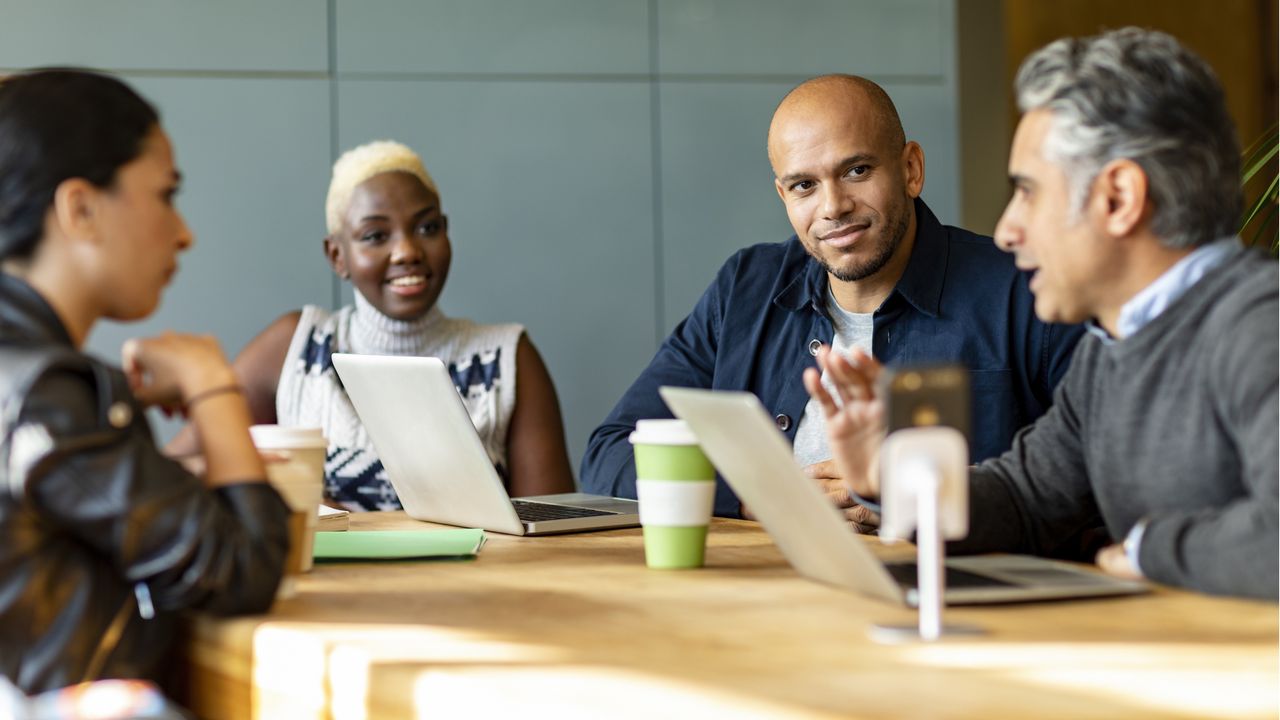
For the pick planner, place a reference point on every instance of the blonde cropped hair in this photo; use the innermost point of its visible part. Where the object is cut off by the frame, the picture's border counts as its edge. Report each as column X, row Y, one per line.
column 363, row 162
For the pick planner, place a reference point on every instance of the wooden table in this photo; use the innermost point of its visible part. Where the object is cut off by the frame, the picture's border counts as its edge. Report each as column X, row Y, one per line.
column 576, row 626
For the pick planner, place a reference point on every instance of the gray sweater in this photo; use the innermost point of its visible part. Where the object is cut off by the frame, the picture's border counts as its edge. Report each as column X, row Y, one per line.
column 1177, row 424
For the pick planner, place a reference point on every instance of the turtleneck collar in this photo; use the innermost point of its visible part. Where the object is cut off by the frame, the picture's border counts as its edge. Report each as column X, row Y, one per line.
column 373, row 333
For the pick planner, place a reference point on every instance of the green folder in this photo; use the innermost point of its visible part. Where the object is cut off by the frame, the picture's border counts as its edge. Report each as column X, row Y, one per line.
column 398, row 544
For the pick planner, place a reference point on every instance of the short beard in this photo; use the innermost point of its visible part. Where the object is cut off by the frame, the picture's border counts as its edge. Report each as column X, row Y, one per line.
column 877, row 261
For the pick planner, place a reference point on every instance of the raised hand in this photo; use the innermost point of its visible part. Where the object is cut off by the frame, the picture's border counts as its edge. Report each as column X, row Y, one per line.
column 855, row 424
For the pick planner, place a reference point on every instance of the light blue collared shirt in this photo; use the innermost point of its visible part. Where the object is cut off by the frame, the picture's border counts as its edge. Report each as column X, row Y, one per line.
column 1159, row 295
column 1147, row 306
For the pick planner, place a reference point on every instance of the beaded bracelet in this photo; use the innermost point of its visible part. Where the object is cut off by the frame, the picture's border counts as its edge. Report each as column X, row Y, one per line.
column 211, row 392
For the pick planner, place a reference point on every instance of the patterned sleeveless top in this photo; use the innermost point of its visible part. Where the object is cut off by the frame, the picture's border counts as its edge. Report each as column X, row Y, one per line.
column 481, row 359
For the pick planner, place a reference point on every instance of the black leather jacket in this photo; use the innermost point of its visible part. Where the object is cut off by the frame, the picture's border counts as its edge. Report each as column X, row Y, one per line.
column 102, row 538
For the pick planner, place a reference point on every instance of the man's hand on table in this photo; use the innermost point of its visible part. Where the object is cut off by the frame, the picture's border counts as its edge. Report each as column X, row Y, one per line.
column 827, row 475
column 860, row 519
column 1113, row 560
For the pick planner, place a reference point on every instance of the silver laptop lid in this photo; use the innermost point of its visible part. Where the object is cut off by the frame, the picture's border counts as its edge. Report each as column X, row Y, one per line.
column 741, row 440
column 426, row 441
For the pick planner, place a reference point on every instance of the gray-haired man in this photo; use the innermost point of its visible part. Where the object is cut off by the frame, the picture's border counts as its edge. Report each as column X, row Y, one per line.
column 1125, row 173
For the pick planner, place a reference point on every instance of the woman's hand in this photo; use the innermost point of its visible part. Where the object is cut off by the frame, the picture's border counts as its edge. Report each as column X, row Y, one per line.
column 190, row 373
column 855, row 425
column 169, row 369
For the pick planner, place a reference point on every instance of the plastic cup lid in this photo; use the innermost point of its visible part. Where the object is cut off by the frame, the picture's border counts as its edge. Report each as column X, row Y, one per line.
column 663, row 432
column 284, row 437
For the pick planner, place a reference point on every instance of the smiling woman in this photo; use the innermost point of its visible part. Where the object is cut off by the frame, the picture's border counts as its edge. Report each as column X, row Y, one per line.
column 388, row 236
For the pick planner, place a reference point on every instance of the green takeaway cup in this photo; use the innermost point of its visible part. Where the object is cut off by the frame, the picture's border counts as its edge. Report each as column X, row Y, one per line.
column 676, row 486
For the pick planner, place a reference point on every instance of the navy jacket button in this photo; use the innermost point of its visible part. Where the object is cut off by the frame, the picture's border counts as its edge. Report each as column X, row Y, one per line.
column 784, row 422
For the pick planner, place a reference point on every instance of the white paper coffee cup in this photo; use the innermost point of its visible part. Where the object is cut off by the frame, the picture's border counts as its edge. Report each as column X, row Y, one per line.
column 299, row 478
column 675, row 484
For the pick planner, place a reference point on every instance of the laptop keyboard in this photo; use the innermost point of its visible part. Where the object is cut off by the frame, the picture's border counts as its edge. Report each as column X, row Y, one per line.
column 536, row 511
column 905, row 574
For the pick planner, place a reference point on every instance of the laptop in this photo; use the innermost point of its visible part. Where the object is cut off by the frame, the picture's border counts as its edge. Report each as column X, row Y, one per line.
column 437, row 463
column 741, row 440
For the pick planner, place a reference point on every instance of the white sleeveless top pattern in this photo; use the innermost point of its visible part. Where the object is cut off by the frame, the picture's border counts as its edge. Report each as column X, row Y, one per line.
column 481, row 359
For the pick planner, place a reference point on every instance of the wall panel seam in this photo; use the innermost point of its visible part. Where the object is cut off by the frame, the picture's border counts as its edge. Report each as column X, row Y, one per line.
column 203, row 74
column 692, row 78
column 335, row 283
column 655, row 163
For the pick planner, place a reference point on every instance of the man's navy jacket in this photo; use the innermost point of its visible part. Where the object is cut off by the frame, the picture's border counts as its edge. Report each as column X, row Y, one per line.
column 758, row 326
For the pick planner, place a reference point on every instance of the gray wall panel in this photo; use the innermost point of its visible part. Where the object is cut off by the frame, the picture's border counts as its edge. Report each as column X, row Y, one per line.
column 717, row 186
column 928, row 117
column 279, row 35
column 493, row 36
column 254, row 156
column 537, row 120
column 766, row 37
column 548, row 188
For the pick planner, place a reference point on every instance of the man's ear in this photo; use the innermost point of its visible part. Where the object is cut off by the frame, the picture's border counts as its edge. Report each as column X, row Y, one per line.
column 333, row 252
column 1120, row 194
column 75, row 209
column 777, row 185
column 913, row 168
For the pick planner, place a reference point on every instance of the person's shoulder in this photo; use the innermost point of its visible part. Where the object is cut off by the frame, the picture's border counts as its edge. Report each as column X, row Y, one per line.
column 261, row 359
column 503, row 329
column 23, row 368
column 764, row 264
column 1256, row 277
column 319, row 325
column 1246, row 294
column 1088, row 349
column 977, row 269
column 769, row 253
column 21, row 361
column 288, row 323
column 314, row 315
column 468, row 331
column 1233, row 319
column 70, row 394
column 978, row 251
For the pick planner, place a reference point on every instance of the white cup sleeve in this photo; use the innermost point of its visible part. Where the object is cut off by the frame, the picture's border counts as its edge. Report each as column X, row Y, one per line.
column 676, row 503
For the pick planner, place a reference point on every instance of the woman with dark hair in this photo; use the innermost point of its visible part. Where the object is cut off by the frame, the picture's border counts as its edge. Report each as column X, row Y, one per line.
column 102, row 538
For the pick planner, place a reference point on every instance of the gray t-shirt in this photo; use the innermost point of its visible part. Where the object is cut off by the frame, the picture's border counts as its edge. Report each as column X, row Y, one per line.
column 853, row 330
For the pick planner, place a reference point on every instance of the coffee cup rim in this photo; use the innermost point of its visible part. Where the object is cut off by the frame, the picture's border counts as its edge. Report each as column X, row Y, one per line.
column 663, row 432
column 284, row 437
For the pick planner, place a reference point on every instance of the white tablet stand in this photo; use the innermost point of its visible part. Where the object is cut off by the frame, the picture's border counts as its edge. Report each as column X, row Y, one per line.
column 924, row 488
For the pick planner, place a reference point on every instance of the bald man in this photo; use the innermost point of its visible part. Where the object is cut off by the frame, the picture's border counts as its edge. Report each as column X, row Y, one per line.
column 869, row 268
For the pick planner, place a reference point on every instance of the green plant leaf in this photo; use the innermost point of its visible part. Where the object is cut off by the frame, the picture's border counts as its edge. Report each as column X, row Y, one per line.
column 1261, row 217
column 1265, row 199
column 1266, row 139
column 1265, row 156
column 1267, row 221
